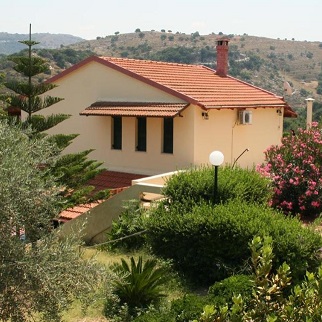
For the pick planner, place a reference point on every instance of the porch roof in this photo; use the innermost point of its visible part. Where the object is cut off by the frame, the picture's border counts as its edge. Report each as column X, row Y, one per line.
column 137, row 109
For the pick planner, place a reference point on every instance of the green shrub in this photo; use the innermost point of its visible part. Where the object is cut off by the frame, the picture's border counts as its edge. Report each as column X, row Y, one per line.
column 209, row 243
column 156, row 315
column 114, row 310
column 269, row 301
column 129, row 223
column 195, row 185
column 222, row 292
column 189, row 307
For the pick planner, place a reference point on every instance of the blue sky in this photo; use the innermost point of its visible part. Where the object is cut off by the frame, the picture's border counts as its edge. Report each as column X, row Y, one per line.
column 88, row 19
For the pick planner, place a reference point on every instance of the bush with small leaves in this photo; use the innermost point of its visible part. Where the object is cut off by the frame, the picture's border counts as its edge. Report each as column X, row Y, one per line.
column 223, row 291
column 189, row 307
column 209, row 243
column 269, row 302
column 197, row 184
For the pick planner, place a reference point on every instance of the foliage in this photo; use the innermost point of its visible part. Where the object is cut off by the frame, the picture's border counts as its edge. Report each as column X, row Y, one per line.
column 295, row 169
column 207, row 54
column 189, row 307
column 185, row 55
column 73, row 170
column 24, row 184
column 137, row 52
column 40, row 274
column 175, row 55
column 223, row 291
column 209, row 243
column 269, row 302
column 138, row 284
column 319, row 87
column 42, row 123
column 64, row 57
column 243, row 67
column 194, row 185
column 26, row 95
column 131, row 221
column 114, row 310
column 160, row 314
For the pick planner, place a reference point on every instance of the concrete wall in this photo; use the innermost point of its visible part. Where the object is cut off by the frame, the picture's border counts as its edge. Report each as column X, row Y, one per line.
column 223, row 132
column 93, row 225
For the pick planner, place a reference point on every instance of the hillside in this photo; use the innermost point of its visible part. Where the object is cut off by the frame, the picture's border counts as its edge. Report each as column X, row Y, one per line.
column 264, row 62
column 9, row 43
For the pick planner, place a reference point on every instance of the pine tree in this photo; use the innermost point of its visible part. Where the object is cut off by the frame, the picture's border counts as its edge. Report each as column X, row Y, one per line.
column 72, row 170
column 26, row 95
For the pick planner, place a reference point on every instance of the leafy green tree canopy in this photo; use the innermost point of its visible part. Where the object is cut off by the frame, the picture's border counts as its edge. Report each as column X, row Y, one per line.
column 40, row 274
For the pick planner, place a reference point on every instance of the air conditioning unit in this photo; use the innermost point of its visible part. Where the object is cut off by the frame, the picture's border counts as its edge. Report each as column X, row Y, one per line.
column 245, row 117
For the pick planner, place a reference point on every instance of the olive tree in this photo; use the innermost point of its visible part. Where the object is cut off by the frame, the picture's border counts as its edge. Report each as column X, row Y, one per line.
column 40, row 274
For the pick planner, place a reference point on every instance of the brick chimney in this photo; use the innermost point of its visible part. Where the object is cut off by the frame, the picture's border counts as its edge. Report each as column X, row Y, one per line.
column 222, row 57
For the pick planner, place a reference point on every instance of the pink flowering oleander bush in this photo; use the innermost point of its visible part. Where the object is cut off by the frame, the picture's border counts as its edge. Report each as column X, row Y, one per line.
column 295, row 168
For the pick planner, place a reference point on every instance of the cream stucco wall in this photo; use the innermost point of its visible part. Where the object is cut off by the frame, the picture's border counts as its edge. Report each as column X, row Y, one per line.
column 194, row 137
column 152, row 161
column 223, row 132
column 95, row 82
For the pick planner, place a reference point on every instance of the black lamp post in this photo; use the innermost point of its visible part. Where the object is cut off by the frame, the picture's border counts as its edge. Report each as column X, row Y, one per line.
column 216, row 158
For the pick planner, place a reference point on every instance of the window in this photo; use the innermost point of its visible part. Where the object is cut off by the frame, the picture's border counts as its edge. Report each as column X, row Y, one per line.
column 141, row 134
column 168, row 135
column 117, row 132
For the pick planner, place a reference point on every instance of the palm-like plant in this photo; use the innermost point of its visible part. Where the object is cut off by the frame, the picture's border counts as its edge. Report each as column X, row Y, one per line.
column 138, row 284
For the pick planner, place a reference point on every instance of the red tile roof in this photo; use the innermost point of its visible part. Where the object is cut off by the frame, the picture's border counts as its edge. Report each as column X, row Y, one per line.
column 196, row 84
column 134, row 109
column 74, row 212
column 113, row 180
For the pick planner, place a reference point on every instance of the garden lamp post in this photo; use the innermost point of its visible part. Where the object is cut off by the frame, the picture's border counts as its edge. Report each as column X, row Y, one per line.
column 216, row 158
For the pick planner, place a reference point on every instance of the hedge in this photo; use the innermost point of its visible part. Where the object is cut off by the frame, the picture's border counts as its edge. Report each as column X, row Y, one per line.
column 197, row 184
column 208, row 243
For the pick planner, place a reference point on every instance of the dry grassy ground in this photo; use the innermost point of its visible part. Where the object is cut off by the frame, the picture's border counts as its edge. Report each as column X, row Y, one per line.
column 94, row 311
